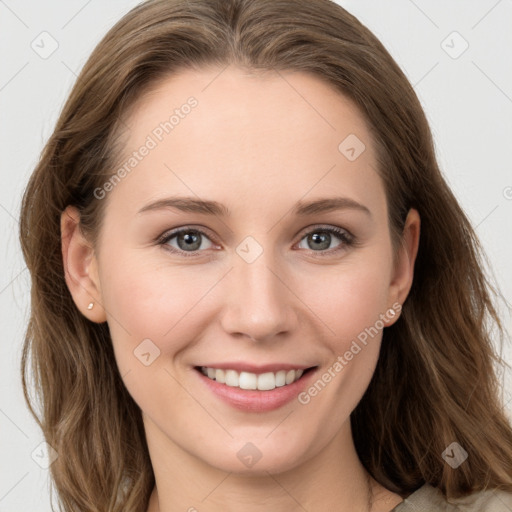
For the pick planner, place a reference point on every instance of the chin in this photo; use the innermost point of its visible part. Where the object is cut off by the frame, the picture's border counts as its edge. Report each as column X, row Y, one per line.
column 258, row 456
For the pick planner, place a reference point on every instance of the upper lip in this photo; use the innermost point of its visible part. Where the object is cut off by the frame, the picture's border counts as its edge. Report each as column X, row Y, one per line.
column 257, row 369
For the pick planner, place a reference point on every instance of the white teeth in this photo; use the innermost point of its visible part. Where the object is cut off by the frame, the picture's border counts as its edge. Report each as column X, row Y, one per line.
column 281, row 378
column 246, row 380
column 266, row 381
column 232, row 378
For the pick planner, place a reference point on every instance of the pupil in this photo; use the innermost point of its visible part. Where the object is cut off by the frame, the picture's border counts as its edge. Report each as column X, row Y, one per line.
column 190, row 240
column 322, row 238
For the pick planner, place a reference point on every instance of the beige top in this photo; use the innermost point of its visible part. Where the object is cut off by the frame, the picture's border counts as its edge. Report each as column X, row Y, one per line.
column 431, row 499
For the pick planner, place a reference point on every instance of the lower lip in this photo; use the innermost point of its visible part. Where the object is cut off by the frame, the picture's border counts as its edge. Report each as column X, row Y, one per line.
column 257, row 401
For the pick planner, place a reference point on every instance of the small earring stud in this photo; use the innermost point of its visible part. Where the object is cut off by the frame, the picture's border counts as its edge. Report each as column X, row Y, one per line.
column 91, row 305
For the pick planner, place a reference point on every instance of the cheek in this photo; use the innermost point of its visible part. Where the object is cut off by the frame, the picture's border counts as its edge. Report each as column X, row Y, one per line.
column 350, row 299
column 148, row 306
column 145, row 299
column 351, row 307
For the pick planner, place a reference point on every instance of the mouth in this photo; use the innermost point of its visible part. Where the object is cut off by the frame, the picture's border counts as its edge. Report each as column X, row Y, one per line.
column 265, row 381
column 259, row 391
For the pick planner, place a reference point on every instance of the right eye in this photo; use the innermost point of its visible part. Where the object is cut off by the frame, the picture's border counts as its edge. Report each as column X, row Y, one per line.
column 188, row 240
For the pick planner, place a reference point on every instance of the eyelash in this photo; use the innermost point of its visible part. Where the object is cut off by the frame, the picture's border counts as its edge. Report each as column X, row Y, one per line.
column 347, row 239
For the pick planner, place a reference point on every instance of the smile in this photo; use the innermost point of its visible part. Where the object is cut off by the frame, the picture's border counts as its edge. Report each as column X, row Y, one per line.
column 255, row 388
column 247, row 380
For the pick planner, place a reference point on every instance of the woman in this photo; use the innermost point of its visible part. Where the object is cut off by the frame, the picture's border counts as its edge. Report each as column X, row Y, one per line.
column 253, row 289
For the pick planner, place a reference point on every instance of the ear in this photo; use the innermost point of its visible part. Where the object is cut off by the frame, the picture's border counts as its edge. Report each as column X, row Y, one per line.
column 80, row 267
column 403, row 271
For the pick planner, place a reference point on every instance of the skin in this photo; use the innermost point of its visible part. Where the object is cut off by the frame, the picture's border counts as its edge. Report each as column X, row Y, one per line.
column 257, row 144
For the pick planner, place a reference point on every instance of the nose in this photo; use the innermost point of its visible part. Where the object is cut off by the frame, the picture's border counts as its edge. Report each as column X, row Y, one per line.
column 258, row 304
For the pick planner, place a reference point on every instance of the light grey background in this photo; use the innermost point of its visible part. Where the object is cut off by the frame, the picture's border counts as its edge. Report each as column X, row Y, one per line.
column 467, row 98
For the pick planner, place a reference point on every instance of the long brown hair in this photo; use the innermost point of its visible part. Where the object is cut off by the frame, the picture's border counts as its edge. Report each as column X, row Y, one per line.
column 435, row 380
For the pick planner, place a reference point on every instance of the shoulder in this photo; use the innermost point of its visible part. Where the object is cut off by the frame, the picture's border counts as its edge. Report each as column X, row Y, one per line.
column 428, row 498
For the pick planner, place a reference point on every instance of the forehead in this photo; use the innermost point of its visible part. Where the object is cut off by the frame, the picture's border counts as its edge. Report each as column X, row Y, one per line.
column 245, row 136
column 294, row 102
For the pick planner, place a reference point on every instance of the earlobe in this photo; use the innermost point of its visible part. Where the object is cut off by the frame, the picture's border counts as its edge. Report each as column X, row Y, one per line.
column 80, row 267
column 403, row 272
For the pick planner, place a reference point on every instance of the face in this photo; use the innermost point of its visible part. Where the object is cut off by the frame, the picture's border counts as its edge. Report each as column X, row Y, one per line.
column 259, row 283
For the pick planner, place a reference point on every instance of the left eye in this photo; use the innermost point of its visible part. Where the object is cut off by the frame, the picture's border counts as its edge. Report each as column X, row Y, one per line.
column 319, row 240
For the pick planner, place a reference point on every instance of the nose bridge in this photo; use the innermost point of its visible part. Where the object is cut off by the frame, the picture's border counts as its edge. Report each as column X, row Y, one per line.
column 258, row 304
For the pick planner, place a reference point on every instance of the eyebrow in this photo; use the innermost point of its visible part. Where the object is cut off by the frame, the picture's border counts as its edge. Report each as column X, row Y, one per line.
column 301, row 208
